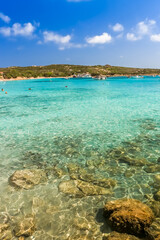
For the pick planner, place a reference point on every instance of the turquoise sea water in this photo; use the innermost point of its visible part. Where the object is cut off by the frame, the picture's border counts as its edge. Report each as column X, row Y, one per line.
column 87, row 122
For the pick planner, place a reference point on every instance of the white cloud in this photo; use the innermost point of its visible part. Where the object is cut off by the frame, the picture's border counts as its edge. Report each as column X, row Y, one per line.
column 100, row 39
column 71, row 45
column 17, row 29
column 56, row 38
column 142, row 29
column 118, row 27
column 155, row 37
column 145, row 27
column 5, row 31
column 26, row 30
column 4, row 18
column 63, row 42
column 132, row 37
column 152, row 22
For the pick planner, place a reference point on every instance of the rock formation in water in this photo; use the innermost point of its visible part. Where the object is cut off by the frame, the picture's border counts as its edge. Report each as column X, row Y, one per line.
column 120, row 236
column 26, row 179
column 153, row 233
column 129, row 216
column 78, row 188
column 25, row 227
column 5, row 232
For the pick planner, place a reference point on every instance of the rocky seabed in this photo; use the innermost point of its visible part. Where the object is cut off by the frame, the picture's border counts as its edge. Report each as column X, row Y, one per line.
column 110, row 195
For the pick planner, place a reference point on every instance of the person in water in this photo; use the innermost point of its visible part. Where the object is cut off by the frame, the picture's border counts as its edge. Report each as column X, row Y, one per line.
column 2, row 90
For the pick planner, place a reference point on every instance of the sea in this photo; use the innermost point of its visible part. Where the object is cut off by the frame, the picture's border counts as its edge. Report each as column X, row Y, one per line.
column 109, row 128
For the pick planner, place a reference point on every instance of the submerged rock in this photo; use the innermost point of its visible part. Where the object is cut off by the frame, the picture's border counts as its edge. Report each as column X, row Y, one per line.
column 90, row 189
column 103, row 182
column 130, row 149
column 4, row 218
column 133, row 161
column 57, row 171
column 80, row 236
column 80, row 188
column 70, row 187
column 120, row 236
column 75, row 169
column 155, row 206
column 5, row 232
column 84, row 225
column 97, row 162
column 71, row 151
column 26, row 179
column 148, row 126
column 128, row 216
column 152, row 169
column 34, row 157
column 115, row 152
column 129, row 173
column 78, row 173
column 153, row 233
column 157, row 179
column 157, row 196
column 25, row 228
column 21, row 238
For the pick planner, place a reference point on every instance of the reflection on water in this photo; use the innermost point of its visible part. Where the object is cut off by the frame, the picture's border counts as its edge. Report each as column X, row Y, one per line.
column 96, row 134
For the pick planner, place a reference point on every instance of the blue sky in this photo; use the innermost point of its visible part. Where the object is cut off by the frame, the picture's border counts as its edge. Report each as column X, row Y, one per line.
column 116, row 32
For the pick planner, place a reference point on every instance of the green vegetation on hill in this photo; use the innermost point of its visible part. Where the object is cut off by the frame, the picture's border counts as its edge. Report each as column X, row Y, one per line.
column 63, row 70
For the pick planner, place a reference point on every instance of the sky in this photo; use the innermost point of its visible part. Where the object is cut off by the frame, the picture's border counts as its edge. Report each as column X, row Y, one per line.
column 85, row 32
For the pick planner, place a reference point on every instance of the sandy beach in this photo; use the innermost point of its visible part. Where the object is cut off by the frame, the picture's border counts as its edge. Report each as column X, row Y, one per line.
column 23, row 78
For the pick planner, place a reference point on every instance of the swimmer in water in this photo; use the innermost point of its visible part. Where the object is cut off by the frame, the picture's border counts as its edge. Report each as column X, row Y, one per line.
column 2, row 90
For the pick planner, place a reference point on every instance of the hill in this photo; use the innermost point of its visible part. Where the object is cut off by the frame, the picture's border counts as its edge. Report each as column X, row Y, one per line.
column 63, row 70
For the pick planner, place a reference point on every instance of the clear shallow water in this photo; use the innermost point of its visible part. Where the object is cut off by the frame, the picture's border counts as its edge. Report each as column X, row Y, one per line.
column 84, row 123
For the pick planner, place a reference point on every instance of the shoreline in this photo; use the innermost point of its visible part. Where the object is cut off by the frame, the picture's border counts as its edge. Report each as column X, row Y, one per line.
column 24, row 78
column 66, row 77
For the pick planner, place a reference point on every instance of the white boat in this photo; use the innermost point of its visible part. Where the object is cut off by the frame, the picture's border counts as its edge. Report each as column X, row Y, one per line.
column 139, row 76
column 102, row 78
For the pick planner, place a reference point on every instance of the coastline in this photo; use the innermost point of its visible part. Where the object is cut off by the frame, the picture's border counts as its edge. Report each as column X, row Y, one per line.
column 66, row 77
column 23, row 78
